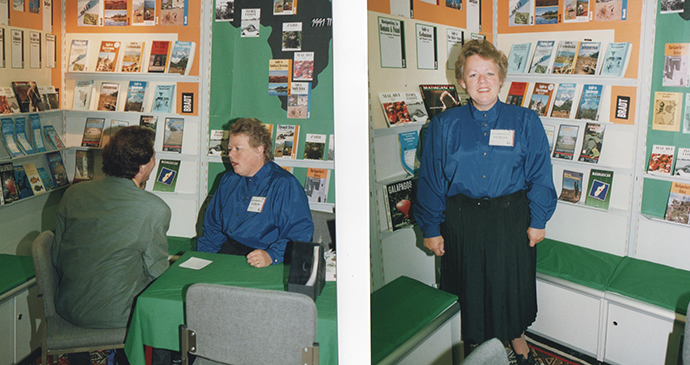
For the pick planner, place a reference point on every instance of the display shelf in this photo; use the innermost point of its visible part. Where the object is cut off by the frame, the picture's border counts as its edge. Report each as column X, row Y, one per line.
column 622, row 170
column 671, row 178
column 173, row 194
column 578, row 79
column 29, row 198
column 382, row 132
column 126, row 76
column 616, row 211
column 392, row 179
column 386, row 233
column 554, row 120
column 45, row 112
column 28, row 157
column 322, row 207
column 301, row 163
column 120, row 114
column 652, row 218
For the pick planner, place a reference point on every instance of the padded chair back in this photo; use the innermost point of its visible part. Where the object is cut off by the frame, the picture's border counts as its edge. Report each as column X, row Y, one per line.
column 489, row 352
column 324, row 228
column 46, row 275
column 236, row 325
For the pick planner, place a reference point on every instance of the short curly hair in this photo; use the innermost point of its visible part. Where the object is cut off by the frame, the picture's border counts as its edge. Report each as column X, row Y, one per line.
column 257, row 133
column 128, row 149
column 485, row 50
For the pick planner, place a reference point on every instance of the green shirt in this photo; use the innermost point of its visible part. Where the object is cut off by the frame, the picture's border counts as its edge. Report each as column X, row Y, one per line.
column 110, row 243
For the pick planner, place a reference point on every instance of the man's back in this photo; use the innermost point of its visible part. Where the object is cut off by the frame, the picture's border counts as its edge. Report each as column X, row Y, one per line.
column 110, row 244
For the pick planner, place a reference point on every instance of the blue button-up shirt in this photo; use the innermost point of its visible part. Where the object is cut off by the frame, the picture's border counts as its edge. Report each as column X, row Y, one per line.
column 458, row 159
column 284, row 216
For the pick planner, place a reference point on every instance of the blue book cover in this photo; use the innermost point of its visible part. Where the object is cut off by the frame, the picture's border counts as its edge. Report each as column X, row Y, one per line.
column 589, row 102
column 135, row 96
column 616, row 59
column 21, row 137
column 57, row 169
column 47, row 180
column 408, row 151
column 181, row 57
column 163, row 99
column 36, row 132
column 519, row 56
column 8, row 138
column 22, row 182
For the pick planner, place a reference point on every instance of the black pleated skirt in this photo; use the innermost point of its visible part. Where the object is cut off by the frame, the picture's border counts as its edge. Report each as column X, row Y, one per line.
column 489, row 265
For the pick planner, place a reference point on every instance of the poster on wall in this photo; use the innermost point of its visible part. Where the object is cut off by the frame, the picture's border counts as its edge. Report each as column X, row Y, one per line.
column 48, row 15
column 427, row 49
column 17, row 48
column 575, row 11
column 4, row 12
column 143, row 12
column 676, row 68
column 401, row 8
column 392, row 43
column 455, row 38
column 521, row 12
column 250, row 23
column 225, row 10
column 51, row 59
column 667, row 111
column 473, row 16
column 89, row 13
column 34, row 49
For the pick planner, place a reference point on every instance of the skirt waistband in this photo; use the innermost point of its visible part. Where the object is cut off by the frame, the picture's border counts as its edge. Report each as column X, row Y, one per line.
column 486, row 202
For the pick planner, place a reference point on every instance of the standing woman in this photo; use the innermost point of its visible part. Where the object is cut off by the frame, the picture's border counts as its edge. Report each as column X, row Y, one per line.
column 485, row 193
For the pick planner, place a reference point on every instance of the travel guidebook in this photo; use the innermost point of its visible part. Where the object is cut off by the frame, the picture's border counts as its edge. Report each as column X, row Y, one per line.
column 34, row 178
column 163, row 98
column 541, row 98
column 27, row 96
column 107, row 56
column 21, row 136
column 589, row 102
column 279, row 77
column 57, row 169
column 316, row 184
column 82, row 95
column 572, row 186
column 135, row 96
column 22, row 182
column 550, row 132
column 676, row 65
column 174, row 131
column 143, row 12
column 518, row 58
column 77, row 55
column 541, row 60
column 517, row 93
column 563, row 103
column 565, row 142
column 11, row 99
column 9, row 186
column 166, row 178
column 83, row 166
column 36, row 133
column 661, row 160
column 415, row 106
column 678, row 207
column 587, row 58
column 158, row 58
column 285, row 145
column 150, row 122
column 438, row 98
column 682, row 168
column 408, row 151
column 132, row 57
column 667, row 111
column 45, row 178
column 53, row 137
column 93, row 132
column 303, row 68
column 109, row 96
column 394, row 109
column 181, row 57
column 299, row 100
column 565, row 57
column 398, row 199
column 521, row 12
column 599, row 189
column 592, row 142
column 616, row 59
column 8, row 138
column 314, row 146
column 174, row 12
column 610, row 10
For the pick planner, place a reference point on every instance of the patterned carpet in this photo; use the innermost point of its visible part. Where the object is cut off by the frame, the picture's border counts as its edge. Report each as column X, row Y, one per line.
column 548, row 355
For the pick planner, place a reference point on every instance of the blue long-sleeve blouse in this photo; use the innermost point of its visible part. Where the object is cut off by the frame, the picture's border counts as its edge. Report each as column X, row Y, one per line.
column 457, row 158
column 284, row 216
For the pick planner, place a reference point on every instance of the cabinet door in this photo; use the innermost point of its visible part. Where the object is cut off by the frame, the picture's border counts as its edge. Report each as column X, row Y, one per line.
column 7, row 332
column 27, row 316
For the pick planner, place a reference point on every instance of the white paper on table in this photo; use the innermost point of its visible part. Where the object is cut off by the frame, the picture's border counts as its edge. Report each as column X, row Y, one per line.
column 195, row 263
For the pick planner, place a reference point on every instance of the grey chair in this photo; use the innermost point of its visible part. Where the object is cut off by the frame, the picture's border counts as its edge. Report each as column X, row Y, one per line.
column 324, row 228
column 686, row 343
column 57, row 335
column 490, row 352
column 233, row 325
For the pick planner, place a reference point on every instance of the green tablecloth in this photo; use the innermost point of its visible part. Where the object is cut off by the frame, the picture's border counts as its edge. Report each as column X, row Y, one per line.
column 158, row 311
column 14, row 271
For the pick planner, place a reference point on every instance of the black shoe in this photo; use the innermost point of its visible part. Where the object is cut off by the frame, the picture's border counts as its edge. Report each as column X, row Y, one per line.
column 521, row 360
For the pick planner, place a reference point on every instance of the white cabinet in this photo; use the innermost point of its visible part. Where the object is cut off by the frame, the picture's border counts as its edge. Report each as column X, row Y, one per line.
column 19, row 322
column 7, row 332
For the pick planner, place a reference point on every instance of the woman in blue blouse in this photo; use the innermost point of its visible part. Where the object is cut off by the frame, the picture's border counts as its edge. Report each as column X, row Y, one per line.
column 485, row 193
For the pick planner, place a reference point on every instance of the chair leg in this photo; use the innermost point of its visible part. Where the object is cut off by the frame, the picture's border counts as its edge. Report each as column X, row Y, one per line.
column 44, row 356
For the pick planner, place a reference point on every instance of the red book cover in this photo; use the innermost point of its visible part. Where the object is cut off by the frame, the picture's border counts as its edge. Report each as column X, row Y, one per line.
column 158, row 60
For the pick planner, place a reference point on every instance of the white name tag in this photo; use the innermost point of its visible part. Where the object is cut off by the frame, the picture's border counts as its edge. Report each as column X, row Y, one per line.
column 502, row 137
column 257, row 204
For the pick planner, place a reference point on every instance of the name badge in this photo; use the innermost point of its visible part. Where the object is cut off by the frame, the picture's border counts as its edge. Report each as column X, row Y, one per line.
column 502, row 137
column 257, row 204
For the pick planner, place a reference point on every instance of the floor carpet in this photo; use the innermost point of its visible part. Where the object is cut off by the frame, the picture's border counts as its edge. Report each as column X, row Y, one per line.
column 548, row 353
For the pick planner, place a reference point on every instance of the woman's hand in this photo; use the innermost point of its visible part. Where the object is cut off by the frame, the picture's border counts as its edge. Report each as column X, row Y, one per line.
column 435, row 244
column 535, row 236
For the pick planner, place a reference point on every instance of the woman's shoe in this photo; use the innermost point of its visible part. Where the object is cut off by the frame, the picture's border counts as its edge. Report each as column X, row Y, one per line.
column 521, row 360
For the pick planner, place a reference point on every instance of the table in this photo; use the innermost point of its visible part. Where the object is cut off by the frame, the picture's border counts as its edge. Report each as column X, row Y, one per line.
column 159, row 312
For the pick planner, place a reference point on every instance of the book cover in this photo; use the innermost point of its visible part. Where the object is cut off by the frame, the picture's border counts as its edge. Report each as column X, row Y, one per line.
column 565, row 57
column 250, row 23
column 394, row 109
column 676, row 68
column 17, row 48
column 541, row 98
column 11, row 99
column 8, row 138
column 144, row 12
column 599, row 189
column 53, row 99
column 314, row 146
column 518, row 58
column 45, row 104
column 303, row 66
column 77, row 55
column 331, row 148
column 9, row 186
column 158, row 58
column 109, row 96
column 667, row 111
column 115, row 13
column 521, row 12
column 83, row 166
column 34, row 178
column 35, row 55
column 408, row 151
column 36, row 132
column 82, row 95
column 181, row 57
column 107, row 56
column 150, row 122
column 299, row 100
column 286, row 141
column 678, row 207
column 590, row 99
column 550, row 132
column 21, row 136
column 27, row 95
column 3, row 20
column 587, row 58
column 172, row 138
column 135, row 96
column 415, row 107
column 166, row 178
column 163, row 98
column 398, row 199
column 218, row 142
column 541, row 60
column 225, row 11
column 616, row 59
column 516, row 93
column 93, row 132
column 592, row 142
column 563, row 103
column 53, row 137
column 438, row 98
column 572, row 186
column 45, row 178
column 284, row 7
column 661, row 160
column 292, row 36
column 316, row 184
column 22, row 182
column 682, row 167
column 565, row 142
column 57, row 169
column 111, row 129
column 132, row 56
column 90, row 12
column 279, row 77
column 610, row 10
column 174, row 12
column 4, row 105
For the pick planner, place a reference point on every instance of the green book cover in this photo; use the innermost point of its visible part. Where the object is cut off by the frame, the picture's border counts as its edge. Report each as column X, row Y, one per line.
column 599, row 189
column 166, row 178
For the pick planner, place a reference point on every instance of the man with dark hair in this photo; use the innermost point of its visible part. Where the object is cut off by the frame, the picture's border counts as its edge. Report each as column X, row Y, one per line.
column 110, row 240
column 258, row 207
